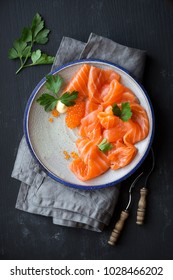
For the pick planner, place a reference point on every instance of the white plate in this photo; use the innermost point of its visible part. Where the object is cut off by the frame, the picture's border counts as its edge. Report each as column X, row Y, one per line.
column 47, row 141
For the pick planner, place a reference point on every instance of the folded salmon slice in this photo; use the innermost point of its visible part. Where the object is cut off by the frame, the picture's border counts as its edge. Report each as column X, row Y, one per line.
column 118, row 93
column 121, row 155
column 80, row 81
column 91, row 162
column 114, row 94
column 115, row 133
column 114, row 128
column 128, row 96
column 90, row 106
column 99, row 83
column 107, row 118
column 138, row 126
column 90, row 126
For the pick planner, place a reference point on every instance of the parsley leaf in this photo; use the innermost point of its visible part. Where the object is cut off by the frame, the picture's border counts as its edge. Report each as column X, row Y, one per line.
column 41, row 37
column 38, row 58
column 44, row 59
column 35, row 56
column 48, row 101
column 116, row 110
column 23, row 47
column 124, row 113
column 105, row 146
column 17, row 50
column 27, row 52
column 68, row 98
column 13, row 53
column 37, row 25
column 26, row 35
column 53, row 83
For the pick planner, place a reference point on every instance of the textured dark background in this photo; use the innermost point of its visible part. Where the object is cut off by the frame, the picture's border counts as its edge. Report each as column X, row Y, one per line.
column 144, row 24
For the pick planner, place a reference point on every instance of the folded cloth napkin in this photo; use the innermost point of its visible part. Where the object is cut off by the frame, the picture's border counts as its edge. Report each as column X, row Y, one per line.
column 39, row 194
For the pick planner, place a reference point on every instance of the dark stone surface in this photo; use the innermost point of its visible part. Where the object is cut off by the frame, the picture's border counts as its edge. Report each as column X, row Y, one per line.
column 144, row 24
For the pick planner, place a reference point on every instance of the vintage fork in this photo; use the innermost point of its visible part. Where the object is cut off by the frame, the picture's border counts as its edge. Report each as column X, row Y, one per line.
column 143, row 193
column 141, row 206
column 123, row 216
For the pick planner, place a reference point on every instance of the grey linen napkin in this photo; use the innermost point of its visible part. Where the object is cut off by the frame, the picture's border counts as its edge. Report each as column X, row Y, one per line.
column 39, row 194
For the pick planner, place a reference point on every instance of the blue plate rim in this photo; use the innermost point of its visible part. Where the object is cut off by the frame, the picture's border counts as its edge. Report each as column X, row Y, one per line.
column 53, row 176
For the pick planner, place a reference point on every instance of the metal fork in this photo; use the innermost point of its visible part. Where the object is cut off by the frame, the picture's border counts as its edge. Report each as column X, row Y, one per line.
column 123, row 216
column 143, row 194
column 141, row 205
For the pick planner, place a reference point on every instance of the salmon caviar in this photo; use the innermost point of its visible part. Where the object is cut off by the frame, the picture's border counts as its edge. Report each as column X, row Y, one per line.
column 67, row 156
column 74, row 155
column 75, row 113
column 55, row 113
column 51, row 120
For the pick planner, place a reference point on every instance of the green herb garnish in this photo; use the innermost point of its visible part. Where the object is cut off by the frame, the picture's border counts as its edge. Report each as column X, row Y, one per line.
column 68, row 98
column 48, row 101
column 54, row 83
column 23, row 47
column 124, row 113
column 105, row 146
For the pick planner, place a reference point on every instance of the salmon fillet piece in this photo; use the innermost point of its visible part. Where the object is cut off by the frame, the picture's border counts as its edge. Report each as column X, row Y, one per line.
column 108, row 119
column 114, row 94
column 137, row 126
column 114, row 128
column 80, row 82
column 90, row 126
column 90, row 106
column 128, row 96
column 99, row 83
column 118, row 93
column 121, row 155
column 91, row 163
column 115, row 133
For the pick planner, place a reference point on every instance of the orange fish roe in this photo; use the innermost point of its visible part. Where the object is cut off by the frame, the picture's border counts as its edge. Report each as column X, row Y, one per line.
column 67, row 156
column 55, row 113
column 75, row 113
column 50, row 120
column 74, row 155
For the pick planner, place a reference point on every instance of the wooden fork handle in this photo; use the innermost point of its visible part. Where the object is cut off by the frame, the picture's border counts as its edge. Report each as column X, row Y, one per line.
column 118, row 228
column 141, row 206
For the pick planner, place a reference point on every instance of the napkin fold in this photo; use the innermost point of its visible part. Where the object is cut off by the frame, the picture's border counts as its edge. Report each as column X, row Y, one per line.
column 38, row 193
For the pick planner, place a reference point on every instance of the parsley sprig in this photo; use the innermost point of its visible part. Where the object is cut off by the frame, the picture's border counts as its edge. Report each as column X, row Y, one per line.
column 53, row 84
column 23, row 47
column 105, row 146
column 124, row 113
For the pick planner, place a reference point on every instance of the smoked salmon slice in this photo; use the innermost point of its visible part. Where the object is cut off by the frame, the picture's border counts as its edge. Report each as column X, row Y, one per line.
column 91, row 163
column 90, row 126
column 115, row 133
column 137, row 126
column 117, row 94
column 128, row 96
column 121, row 155
column 80, row 82
column 90, row 106
column 108, row 119
column 99, row 83
column 113, row 127
column 114, row 94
